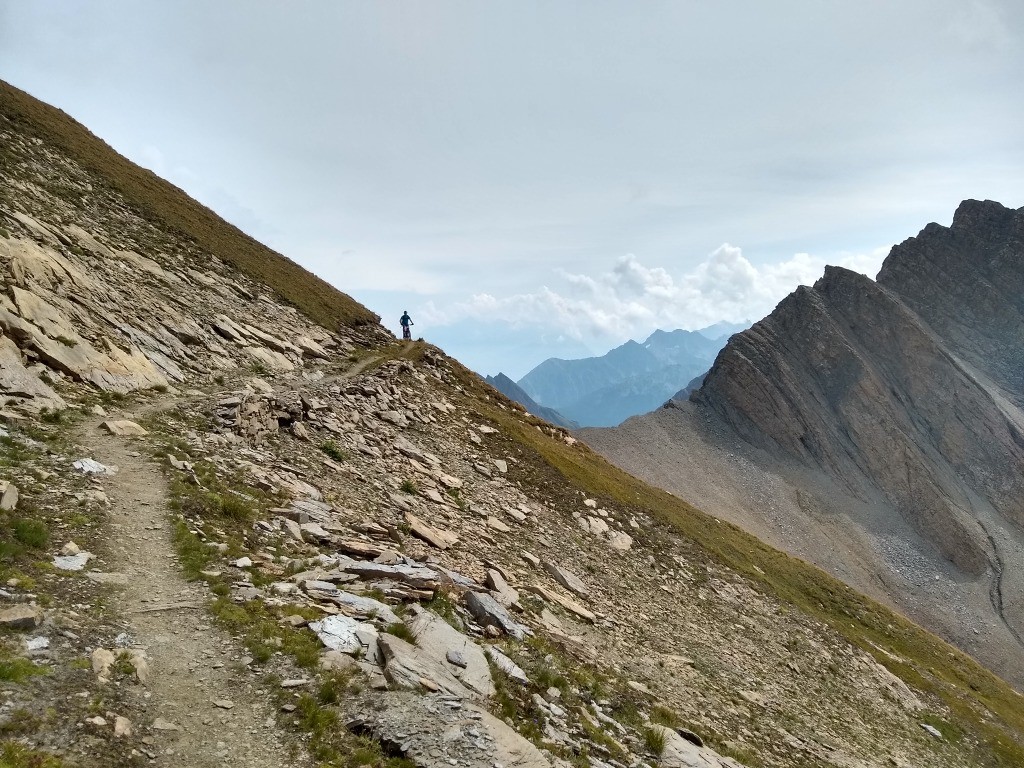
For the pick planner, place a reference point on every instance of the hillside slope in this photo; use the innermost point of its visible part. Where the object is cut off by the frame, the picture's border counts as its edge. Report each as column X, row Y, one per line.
column 234, row 536
column 884, row 418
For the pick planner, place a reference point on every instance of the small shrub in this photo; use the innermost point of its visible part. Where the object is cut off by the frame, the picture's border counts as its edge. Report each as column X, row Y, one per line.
column 66, row 341
column 654, row 740
column 662, row 715
column 333, row 450
column 15, row 755
column 51, row 416
column 17, row 668
column 408, row 486
column 31, row 533
column 401, row 630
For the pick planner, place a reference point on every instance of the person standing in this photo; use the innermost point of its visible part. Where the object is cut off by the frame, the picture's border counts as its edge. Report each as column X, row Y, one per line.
column 406, row 322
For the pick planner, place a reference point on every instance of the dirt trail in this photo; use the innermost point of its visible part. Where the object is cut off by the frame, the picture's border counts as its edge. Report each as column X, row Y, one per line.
column 193, row 663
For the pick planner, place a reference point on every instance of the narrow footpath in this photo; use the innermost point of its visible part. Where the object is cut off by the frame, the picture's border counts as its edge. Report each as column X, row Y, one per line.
column 206, row 708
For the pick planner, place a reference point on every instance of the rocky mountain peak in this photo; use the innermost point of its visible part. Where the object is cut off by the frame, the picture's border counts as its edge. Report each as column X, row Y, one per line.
column 900, row 402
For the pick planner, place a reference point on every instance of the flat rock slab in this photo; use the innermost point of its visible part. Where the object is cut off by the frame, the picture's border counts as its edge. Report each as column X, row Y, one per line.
column 447, row 646
column 21, row 617
column 491, row 613
column 682, row 753
column 406, row 666
column 418, row 576
column 506, row 665
column 343, row 633
column 566, row 578
column 568, row 603
column 363, row 606
column 435, row 537
column 435, row 732
column 124, row 428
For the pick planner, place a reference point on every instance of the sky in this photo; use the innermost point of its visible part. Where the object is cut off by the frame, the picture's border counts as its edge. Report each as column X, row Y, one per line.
column 536, row 179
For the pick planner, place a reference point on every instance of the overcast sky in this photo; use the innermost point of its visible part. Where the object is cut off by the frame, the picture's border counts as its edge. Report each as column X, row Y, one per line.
column 551, row 178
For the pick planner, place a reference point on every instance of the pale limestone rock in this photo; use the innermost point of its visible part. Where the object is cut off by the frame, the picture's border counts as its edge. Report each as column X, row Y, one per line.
column 342, row 633
column 122, row 727
column 565, row 602
column 274, row 360
column 16, row 381
column 433, row 536
column 124, row 428
column 506, row 665
column 102, row 661
column 450, row 648
column 490, row 742
column 566, row 578
column 407, row 667
column 620, row 540
column 496, row 524
column 9, row 497
column 681, row 753
column 21, row 617
column 490, row 613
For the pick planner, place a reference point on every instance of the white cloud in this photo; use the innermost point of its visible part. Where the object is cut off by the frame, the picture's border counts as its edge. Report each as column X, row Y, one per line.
column 631, row 300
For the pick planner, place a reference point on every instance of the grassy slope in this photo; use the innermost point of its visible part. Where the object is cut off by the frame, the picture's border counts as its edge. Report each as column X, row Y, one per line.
column 166, row 206
column 985, row 706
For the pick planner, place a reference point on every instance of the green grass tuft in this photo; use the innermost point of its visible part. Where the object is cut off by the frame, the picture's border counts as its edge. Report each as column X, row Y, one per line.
column 333, row 450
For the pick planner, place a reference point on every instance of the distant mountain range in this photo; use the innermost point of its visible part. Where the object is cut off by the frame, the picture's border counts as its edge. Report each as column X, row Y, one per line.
column 631, row 379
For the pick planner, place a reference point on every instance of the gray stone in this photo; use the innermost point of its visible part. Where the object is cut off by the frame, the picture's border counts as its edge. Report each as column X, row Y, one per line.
column 566, row 578
column 486, row 743
column 417, row 576
column 21, row 617
column 506, row 665
column 9, row 497
column 682, row 753
column 406, row 666
column 490, row 613
column 339, row 633
column 441, row 642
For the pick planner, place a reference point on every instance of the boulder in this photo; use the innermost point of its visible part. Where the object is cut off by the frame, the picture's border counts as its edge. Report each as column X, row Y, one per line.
column 679, row 752
column 124, row 428
column 490, row 613
column 21, row 617
column 452, row 649
column 406, row 666
column 566, row 578
column 434, row 734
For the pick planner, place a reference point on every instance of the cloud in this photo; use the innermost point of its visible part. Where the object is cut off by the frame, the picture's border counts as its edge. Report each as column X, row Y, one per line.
column 631, row 300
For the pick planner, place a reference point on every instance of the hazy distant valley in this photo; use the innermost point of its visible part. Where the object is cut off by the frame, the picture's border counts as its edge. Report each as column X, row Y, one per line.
column 631, row 379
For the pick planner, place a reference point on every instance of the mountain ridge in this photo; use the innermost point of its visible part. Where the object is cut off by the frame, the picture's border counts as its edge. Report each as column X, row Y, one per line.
column 903, row 421
column 633, row 378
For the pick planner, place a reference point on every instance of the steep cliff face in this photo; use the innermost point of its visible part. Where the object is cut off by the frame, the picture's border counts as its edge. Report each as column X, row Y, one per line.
column 967, row 282
column 900, row 395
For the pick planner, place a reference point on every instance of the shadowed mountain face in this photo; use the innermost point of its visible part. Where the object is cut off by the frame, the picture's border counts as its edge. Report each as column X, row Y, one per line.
column 891, row 409
column 513, row 391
